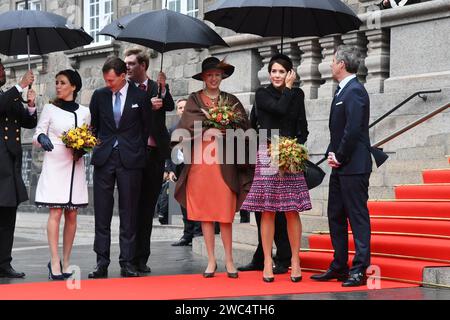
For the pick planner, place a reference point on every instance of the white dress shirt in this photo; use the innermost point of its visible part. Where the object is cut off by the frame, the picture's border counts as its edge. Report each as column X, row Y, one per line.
column 123, row 97
column 344, row 82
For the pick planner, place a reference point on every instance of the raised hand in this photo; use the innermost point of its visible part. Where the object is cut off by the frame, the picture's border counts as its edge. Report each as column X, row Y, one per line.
column 27, row 79
column 290, row 78
column 31, row 98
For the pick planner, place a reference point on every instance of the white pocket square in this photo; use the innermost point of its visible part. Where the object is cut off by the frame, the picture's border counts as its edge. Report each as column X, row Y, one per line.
column 134, row 106
column 339, row 103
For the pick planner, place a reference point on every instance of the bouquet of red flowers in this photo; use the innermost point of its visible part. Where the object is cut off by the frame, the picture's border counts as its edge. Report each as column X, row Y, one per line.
column 80, row 140
column 224, row 116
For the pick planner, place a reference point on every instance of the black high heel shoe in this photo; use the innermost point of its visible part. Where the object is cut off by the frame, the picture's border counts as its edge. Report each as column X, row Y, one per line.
column 210, row 274
column 65, row 275
column 296, row 279
column 232, row 275
column 268, row 279
column 51, row 276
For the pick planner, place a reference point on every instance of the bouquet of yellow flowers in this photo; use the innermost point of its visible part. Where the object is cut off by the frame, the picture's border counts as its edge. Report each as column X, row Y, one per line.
column 80, row 140
column 290, row 155
column 224, row 116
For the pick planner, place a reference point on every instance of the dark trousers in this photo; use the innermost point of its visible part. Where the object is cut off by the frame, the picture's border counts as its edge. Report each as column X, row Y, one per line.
column 347, row 200
column 150, row 190
column 284, row 254
column 128, row 185
column 7, row 226
column 191, row 228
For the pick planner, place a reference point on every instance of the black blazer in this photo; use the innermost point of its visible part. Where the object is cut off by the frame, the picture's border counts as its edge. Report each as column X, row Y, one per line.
column 282, row 110
column 13, row 117
column 349, row 130
column 131, row 132
column 157, row 121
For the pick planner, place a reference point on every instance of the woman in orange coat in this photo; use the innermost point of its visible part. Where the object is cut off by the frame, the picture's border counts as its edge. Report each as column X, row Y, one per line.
column 210, row 190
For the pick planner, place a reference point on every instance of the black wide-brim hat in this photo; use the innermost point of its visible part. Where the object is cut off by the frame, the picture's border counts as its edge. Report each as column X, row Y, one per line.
column 213, row 63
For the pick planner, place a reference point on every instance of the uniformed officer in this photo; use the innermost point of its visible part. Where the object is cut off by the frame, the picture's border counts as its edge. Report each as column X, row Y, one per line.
column 13, row 117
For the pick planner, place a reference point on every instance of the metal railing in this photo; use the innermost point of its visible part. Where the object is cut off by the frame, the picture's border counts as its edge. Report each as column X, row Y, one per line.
column 420, row 94
column 412, row 125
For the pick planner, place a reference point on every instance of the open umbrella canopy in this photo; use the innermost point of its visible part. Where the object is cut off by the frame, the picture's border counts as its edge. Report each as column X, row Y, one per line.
column 284, row 18
column 163, row 30
column 47, row 33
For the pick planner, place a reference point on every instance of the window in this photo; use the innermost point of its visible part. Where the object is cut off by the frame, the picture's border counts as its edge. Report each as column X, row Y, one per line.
column 32, row 5
column 189, row 7
column 97, row 14
column 26, row 164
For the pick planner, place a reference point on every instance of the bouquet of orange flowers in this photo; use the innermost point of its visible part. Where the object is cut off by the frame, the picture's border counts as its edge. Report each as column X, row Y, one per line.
column 80, row 140
column 224, row 116
column 290, row 155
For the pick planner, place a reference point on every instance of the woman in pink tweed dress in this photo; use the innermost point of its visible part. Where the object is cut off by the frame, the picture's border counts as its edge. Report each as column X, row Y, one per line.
column 279, row 106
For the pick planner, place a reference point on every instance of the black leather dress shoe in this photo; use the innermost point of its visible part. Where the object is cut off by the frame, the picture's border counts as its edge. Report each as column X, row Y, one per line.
column 279, row 269
column 182, row 243
column 355, row 280
column 144, row 269
column 11, row 273
column 99, row 273
column 251, row 267
column 128, row 271
column 330, row 275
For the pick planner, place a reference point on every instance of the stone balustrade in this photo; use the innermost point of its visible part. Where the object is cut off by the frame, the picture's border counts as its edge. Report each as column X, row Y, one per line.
column 312, row 56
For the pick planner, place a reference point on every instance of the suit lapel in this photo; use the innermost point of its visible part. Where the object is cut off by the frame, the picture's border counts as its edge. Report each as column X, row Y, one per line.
column 127, row 106
column 338, row 98
column 109, row 110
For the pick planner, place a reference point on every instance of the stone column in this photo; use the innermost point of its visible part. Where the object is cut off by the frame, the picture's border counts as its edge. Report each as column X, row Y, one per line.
column 329, row 45
column 359, row 40
column 308, row 70
column 378, row 59
column 266, row 54
column 292, row 51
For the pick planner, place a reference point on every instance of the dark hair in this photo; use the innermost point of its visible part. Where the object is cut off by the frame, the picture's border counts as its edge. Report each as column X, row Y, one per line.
column 282, row 59
column 116, row 64
column 74, row 79
column 141, row 56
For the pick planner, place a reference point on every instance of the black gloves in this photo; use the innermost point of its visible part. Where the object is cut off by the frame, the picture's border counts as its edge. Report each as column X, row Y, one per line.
column 45, row 142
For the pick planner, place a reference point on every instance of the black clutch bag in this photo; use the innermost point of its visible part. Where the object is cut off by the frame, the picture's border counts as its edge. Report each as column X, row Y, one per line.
column 314, row 175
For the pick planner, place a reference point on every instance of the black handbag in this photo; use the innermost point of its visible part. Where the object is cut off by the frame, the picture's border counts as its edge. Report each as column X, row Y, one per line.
column 314, row 175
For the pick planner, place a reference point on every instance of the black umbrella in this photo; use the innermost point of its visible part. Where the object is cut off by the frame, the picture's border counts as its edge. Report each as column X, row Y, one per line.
column 163, row 30
column 284, row 18
column 38, row 32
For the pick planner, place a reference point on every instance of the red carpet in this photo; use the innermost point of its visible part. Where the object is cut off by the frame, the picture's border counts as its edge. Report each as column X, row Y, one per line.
column 408, row 234
column 436, row 176
column 177, row 287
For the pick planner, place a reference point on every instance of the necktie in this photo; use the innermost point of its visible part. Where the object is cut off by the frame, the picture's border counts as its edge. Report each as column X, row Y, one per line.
column 117, row 109
column 142, row 86
column 337, row 91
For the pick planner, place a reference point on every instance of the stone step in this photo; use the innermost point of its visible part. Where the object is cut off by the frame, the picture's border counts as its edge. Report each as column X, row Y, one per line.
column 422, row 153
column 439, row 140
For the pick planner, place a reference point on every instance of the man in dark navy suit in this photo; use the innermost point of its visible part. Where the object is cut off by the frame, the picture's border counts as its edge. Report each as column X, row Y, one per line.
column 349, row 155
column 118, row 117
